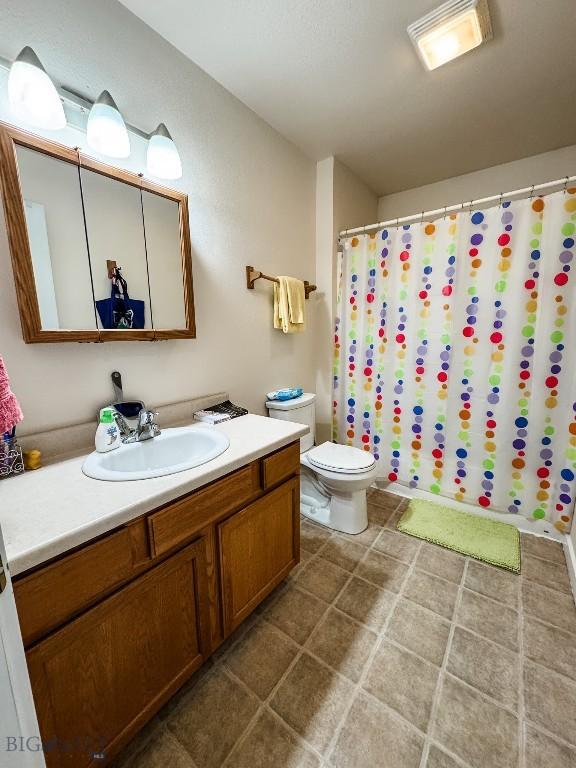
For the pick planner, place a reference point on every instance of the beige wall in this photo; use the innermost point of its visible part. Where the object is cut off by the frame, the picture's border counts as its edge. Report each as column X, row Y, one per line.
column 252, row 201
column 325, row 233
column 548, row 166
column 342, row 200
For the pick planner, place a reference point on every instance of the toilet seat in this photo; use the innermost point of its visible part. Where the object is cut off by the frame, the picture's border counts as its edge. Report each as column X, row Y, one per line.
column 344, row 459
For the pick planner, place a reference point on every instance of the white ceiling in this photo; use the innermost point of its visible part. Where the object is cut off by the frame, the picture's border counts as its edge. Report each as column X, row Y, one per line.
column 341, row 77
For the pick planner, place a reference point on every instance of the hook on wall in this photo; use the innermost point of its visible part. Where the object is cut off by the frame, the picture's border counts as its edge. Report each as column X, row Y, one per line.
column 111, row 266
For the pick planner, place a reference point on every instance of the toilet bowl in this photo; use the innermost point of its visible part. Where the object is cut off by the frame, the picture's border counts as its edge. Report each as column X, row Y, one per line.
column 333, row 486
column 334, row 478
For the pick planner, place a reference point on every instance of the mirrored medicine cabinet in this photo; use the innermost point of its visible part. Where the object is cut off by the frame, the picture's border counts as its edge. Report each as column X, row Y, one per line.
column 98, row 253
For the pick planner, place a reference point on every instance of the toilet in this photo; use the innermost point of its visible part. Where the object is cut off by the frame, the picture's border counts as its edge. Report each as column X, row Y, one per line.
column 334, row 478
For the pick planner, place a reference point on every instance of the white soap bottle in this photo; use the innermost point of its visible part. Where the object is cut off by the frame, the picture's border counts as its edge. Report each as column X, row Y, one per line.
column 107, row 435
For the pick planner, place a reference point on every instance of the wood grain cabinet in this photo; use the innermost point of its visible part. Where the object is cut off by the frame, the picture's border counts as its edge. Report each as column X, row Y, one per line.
column 113, row 629
column 258, row 548
column 101, row 676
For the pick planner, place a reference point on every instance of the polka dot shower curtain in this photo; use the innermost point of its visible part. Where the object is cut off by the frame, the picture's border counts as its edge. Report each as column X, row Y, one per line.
column 455, row 355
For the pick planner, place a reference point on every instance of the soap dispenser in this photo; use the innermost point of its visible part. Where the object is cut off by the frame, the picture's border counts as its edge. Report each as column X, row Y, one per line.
column 107, row 435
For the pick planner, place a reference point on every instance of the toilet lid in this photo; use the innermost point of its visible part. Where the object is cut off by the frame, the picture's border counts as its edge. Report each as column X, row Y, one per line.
column 340, row 458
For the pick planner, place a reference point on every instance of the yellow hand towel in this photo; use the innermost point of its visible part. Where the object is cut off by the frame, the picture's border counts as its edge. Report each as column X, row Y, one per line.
column 289, row 297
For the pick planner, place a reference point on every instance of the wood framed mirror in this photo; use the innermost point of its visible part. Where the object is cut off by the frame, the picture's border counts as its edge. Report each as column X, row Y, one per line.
column 98, row 253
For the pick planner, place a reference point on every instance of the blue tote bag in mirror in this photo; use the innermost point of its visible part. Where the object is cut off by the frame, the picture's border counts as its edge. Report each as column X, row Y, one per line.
column 120, row 312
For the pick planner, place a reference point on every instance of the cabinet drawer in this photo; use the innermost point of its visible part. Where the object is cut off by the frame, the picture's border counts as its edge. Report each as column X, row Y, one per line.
column 51, row 595
column 175, row 524
column 281, row 465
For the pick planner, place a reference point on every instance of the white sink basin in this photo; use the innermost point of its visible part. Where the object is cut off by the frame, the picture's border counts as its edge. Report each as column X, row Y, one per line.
column 175, row 450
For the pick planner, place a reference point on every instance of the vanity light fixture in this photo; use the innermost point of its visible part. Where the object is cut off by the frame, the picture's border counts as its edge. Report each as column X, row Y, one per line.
column 454, row 28
column 106, row 130
column 32, row 94
column 162, row 158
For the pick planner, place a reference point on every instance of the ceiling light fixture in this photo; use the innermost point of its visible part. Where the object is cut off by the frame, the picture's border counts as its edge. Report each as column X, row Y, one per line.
column 106, row 130
column 162, row 158
column 454, row 28
column 32, row 95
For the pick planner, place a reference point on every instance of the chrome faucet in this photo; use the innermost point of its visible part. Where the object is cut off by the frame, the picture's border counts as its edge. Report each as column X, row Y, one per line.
column 145, row 429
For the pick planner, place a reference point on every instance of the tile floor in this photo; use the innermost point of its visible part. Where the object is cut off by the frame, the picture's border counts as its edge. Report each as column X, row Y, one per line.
column 381, row 650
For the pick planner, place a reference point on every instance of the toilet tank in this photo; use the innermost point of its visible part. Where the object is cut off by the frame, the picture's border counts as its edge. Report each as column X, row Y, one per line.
column 301, row 410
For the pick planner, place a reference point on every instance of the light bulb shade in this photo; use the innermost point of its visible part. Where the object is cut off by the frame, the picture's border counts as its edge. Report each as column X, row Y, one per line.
column 162, row 158
column 106, row 130
column 32, row 95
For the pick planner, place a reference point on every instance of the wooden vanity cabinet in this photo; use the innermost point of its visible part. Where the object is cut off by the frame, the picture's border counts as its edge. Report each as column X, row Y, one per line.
column 101, row 677
column 258, row 548
column 105, row 653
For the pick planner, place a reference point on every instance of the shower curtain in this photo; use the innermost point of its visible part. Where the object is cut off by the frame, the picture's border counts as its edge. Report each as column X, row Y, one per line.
column 455, row 355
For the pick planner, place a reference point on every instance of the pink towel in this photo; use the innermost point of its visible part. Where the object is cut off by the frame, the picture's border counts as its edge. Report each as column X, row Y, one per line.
column 10, row 412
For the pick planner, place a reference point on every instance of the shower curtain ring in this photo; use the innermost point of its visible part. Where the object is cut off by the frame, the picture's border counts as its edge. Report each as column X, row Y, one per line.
column 421, row 218
column 566, row 184
column 532, row 191
column 500, row 199
column 445, row 209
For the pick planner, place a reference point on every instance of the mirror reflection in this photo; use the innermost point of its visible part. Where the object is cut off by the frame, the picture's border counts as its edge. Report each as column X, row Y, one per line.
column 115, row 233
column 163, row 247
column 54, row 219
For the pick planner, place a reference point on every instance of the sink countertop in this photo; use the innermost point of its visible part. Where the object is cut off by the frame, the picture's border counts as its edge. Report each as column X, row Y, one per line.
column 47, row 512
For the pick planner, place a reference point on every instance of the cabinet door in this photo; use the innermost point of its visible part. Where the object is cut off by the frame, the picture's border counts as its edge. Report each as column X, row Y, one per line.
column 98, row 679
column 259, row 546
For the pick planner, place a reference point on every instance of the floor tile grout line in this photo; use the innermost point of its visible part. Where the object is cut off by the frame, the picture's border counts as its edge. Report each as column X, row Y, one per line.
column 534, row 617
column 455, row 757
column 550, row 734
column 432, row 613
column 123, row 760
column 368, row 663
column 264, row 706
column 490, row 640
column 280, row 681
column 570, row 681
column 546, row 559
column 324, row 757
column 442, row 672
column 452, row 622
column 489, row 597
column 219, row 664
column 381, row 636
column 485, row 696
column 429, row 610
column 181, row 746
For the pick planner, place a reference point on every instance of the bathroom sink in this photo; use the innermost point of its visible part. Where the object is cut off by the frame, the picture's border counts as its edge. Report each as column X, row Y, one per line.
column 174, row 450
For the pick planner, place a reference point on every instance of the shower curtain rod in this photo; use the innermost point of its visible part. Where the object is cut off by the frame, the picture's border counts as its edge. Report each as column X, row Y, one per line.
column 459, row 206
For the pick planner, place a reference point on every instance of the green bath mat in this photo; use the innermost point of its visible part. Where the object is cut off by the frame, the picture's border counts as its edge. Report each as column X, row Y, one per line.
column 488, row 540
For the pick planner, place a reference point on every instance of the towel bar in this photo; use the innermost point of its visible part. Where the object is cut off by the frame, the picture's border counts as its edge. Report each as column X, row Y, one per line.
column 253, row 274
